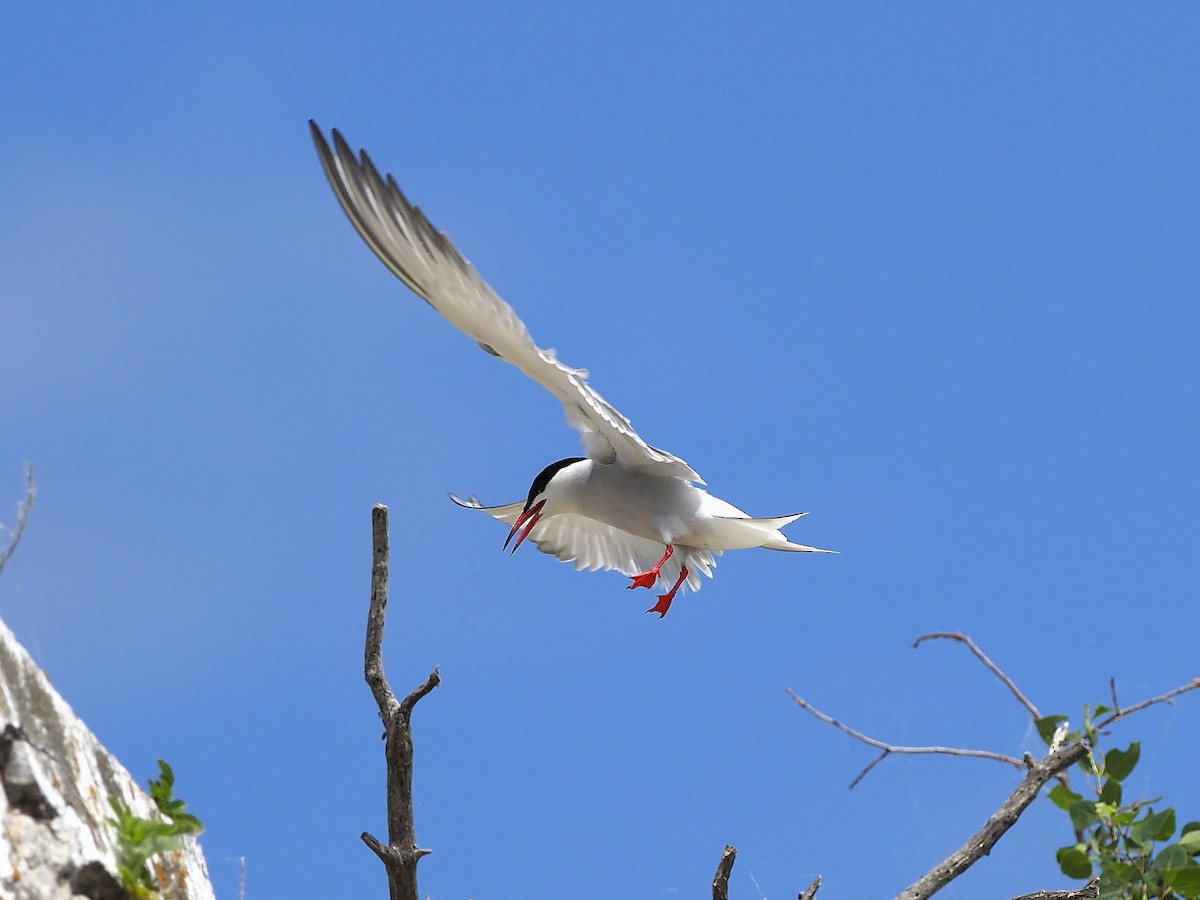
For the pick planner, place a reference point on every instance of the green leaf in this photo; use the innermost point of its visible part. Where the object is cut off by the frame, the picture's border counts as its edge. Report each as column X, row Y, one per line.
column 1105, row 810
column 161, row 788
column 1168, row 827
column 1119, row 763
column 1171, row 856
column 1046, row 725
column 1125, row 817
column 1111, row 792
column 1191, row 838
column 1074, row 862
column 1184, row 881
column 1083, row 815
column 1116, row 872
column 186, row 823
column 1062, row 796
column 1155, row 827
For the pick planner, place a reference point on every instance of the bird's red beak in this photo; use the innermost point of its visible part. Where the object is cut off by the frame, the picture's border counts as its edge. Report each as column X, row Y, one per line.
column 530, row 516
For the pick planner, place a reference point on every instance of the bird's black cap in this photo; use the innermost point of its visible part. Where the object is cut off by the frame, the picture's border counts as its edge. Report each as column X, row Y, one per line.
column 544, row 476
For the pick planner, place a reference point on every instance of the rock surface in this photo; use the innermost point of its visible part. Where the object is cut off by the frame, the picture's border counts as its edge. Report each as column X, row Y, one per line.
column 56, row 842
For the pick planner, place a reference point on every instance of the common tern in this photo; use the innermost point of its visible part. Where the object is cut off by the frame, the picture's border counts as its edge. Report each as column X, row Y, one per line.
column 625, row 504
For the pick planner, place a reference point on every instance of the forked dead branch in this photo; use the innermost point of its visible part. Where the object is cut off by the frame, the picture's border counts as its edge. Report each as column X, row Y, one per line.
column 401, row 854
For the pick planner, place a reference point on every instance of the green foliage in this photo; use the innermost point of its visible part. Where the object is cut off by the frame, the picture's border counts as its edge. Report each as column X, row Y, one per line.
column 1129, row 845
column 140, row 839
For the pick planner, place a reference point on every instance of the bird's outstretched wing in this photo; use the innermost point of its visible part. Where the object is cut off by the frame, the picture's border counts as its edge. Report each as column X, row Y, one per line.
column 425, row 260
column 594, row 545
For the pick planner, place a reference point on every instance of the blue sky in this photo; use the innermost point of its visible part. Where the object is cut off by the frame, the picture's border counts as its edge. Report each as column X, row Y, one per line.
column 928, row 271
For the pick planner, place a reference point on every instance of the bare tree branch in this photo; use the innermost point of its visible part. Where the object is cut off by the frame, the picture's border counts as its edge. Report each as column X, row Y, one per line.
column 721, row 879
column 725, row 868
column 888, row 749
column 401, row 854
column 983, row 658
column 14, row 534
column 1003, row 819
column 1089, row 891
column 1168, row 697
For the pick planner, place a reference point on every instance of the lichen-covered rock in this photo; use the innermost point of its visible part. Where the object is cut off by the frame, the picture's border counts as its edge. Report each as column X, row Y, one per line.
column 56, row 842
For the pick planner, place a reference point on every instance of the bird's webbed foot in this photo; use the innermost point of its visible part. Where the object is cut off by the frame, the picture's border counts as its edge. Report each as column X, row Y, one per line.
column 646, row 579
column 664, row 600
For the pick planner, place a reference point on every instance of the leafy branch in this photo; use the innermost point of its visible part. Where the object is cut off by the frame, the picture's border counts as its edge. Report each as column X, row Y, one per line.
column 1115, row 842
column 1119, row 841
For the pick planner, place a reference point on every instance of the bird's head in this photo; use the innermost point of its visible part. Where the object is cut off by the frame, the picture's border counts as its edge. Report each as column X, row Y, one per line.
column 541, row 500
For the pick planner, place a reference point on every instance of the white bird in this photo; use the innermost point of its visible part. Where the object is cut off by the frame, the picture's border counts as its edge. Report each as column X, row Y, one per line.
column 626, row 505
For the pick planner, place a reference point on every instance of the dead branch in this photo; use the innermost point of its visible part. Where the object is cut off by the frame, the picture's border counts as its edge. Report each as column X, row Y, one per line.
column 983, row 658
column 401, row 854
column 725, row 867
column 721, row 879
column 1003, row 819
column 14, row 534
column 1168, row 697
column 889, row 749
column 1089, row 891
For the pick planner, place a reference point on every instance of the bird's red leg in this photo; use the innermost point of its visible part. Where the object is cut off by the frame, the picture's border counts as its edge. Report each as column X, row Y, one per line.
column 664, row 600
column 647, row 579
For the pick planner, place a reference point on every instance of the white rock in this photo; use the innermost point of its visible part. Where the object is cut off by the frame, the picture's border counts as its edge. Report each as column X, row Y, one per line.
column 55, row 837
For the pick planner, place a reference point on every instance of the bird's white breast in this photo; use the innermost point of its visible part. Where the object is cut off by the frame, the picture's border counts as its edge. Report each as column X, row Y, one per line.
column 650, row 506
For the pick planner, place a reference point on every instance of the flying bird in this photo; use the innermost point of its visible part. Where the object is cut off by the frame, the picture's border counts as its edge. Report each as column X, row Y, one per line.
column 625, row 505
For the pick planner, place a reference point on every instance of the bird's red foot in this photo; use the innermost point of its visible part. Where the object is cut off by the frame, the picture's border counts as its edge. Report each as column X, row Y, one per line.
column 646, row 580
column 663, row 604
column 664, row 600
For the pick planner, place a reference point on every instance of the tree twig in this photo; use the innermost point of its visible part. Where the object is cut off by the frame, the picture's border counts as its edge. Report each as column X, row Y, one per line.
column 721, row 879
column 14, row 534
column 401, row 854
column 1088, row 892
column 1168, row 697
column 810, row 892
column 1003, row 819
column 889, row 749
column 983, row 658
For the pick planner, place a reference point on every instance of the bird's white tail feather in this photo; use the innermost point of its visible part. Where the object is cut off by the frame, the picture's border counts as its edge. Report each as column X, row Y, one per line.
column 771, row 524
column 507, row 513
column 793, row 548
